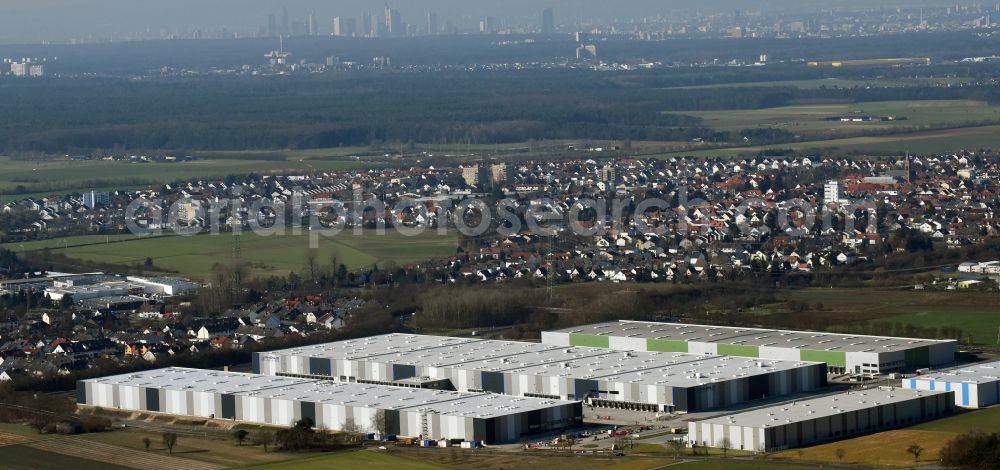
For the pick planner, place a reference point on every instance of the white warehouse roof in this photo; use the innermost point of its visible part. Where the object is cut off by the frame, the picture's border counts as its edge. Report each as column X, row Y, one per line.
column 476, row 405
column 971, row 373
column 752, row 336
column 650, row 368
column 822, row 407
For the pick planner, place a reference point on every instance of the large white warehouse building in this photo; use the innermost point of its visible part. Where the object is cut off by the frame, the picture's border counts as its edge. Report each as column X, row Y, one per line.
column 281, row 401
column 851, row 354
column 674, row 382
column 820, row 419
column 974, row 385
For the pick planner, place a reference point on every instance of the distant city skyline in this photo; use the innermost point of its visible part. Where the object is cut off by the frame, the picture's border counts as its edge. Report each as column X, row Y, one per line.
column 65, row 20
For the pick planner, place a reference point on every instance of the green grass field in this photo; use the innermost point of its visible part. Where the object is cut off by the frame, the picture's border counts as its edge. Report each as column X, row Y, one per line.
column 62, row 176
column 738, row 465
column 808, row 119
column 431, row 459
column 936, row 141
column 225, row 453
column 369, row 460
column 21, row 457
column 277, row 255
column 18, row 429
column 987, row 420
column 884, row 449
column 981, row 324
column 817, row 83
column 973, row 312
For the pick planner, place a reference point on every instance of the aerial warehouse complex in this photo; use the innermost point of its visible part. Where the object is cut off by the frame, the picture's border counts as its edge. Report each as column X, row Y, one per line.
column 843, row 354
column 282, row 401
column 820, row 419
column 974, row 385
column 653, row 381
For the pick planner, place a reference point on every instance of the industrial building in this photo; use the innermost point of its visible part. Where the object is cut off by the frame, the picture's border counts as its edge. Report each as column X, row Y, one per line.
column 281, row 401
column 93, row 291
column 843, row 354
column 654, row 381
column 820, row 419
column 974, row 385
column 164, row 286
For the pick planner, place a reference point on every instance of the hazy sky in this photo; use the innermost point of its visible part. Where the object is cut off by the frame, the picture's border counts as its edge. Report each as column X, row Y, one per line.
column 59, row 20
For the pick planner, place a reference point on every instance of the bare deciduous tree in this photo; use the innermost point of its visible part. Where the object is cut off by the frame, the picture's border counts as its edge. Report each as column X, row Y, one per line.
column 725, row 444
column 351, row 431
column 379, row 423
column 264, row 438
column 676, row 446
column 312, row 264
column 169, row 441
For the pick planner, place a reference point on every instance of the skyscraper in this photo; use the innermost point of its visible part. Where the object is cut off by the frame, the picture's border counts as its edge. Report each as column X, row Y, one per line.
column 393, row 22
column 285, row 28
column 313, row 27
column 432, row 23
column 345, row 27
column 548, row 21
column 487, row 25
column 375, row 26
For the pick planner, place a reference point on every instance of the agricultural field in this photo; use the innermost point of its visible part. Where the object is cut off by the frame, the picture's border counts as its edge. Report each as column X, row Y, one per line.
column 808, row 119
column 277, row 255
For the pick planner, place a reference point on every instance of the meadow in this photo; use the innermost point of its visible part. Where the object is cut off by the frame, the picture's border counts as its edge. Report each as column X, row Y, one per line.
column 889, row 448
column 21, row 457
column 923, row 142
column 356, row 459
column 60, row 176
column 809, row 120
column 276, row 255
column 739, row 465
column 817, row 83
column 884, row 449
column 428, row 459
column 848, row 309
column 986, row 420
column 973, row 312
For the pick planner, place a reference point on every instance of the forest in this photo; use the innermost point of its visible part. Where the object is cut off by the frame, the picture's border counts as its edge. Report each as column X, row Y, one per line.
column 356, row 109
